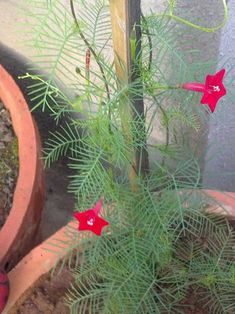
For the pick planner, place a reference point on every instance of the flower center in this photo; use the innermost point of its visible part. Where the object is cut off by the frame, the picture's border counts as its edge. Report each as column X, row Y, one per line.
column 91, row 221
column 215, row 88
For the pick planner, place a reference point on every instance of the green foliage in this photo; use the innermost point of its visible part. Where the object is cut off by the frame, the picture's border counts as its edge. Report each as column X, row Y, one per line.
column 149, row 263
column 160, row 244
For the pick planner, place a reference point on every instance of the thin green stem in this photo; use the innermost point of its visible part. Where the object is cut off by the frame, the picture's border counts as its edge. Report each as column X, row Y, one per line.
column 196, row 26
column 167, row 126
column 162, row 87
column 90, row 47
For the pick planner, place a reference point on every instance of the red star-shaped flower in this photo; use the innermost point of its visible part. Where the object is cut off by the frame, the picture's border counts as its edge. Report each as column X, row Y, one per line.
column 89, row 220
column 212, row 90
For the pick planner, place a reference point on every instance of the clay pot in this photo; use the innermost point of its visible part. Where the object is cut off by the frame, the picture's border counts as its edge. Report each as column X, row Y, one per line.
column 41, row 259
column 17, row 236
column 33, row 268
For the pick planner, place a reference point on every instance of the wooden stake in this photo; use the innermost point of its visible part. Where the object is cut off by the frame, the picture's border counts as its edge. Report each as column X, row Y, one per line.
column 126, row 32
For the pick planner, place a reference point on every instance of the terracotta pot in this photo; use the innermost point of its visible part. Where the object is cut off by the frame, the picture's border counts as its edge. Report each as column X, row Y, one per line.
column 225, row 198
column 17, row 236
column 41, row 259
column 34, row 267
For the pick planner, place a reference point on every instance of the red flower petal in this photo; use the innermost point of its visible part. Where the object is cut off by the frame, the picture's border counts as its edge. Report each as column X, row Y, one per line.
column 212, row 91
column 210, row 101
column 89, row 220
column 216, row 79
column 95, row 226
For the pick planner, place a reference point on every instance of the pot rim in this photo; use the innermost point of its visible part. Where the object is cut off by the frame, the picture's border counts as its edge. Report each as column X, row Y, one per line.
column 28, row 155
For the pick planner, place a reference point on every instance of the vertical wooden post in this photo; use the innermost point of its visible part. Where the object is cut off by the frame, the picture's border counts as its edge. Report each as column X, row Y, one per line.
column 126, row 33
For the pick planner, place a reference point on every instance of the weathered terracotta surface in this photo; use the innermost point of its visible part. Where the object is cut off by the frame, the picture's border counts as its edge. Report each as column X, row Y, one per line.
column 17, row 236
column 35, row 265
column 227, row 199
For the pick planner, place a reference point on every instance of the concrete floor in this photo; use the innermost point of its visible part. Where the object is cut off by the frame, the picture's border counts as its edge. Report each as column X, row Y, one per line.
column 59, row 203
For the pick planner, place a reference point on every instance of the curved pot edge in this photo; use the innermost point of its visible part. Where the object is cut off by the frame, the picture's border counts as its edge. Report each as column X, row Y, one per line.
column 225, row 198
column 34, row 266
column 29, row 192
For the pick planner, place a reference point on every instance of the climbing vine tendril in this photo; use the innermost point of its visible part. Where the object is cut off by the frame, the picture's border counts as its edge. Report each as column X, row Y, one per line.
column 171, row 15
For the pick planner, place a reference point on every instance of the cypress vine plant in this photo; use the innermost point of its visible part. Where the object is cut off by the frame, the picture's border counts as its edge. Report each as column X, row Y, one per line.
column 155, row 246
